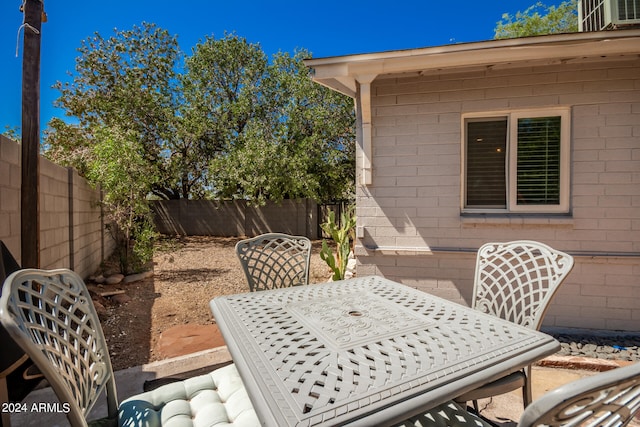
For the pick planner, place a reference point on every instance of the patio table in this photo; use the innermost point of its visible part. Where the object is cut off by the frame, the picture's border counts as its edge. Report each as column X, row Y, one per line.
column 365, row 351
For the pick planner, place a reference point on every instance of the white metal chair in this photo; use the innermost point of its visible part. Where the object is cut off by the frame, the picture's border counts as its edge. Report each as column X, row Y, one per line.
column 448, row 414
column 609, row 399
column 18, row 375
column 275, row 260
column 516, row 281
column 51, row 316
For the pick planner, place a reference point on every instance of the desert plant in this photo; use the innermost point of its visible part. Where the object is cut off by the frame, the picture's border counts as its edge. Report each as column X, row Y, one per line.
column 341, row 234
column 125, row 178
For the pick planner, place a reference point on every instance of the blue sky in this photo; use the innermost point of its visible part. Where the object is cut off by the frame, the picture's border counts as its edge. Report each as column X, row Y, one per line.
column 327, row 28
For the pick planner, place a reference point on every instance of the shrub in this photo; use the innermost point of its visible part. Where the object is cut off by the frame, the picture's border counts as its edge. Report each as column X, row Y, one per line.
column 342, row 234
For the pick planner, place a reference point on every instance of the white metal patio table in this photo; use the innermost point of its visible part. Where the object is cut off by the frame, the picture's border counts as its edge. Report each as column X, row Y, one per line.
column 365, row 351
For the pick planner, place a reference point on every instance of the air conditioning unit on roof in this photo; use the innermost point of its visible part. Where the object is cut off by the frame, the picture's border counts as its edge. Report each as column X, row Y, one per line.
column 598, row 15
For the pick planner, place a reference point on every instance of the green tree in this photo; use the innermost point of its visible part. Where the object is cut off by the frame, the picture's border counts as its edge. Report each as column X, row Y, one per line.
column 226, row 122
column 318, row 125
column 221, row 97
column 539, row 19
column 12, row 132
column 68, row 145
column 300, row 142
column 126, row 81
column 221, row 86
column 119, row 166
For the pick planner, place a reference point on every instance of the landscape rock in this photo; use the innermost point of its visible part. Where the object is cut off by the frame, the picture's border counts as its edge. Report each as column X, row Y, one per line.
column 137, row 277
column 101, row 310
column 114, row 279
column 603, row 346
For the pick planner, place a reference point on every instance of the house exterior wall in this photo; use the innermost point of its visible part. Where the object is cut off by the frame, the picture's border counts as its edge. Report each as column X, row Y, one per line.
column 410, row 226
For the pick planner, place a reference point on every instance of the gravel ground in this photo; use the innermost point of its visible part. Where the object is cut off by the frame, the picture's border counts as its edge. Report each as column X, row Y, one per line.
column 190, row 271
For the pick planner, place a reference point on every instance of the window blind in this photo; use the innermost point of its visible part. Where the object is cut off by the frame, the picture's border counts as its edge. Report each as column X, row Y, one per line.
column 628, row 9
column 538, row 161
column 486, row 167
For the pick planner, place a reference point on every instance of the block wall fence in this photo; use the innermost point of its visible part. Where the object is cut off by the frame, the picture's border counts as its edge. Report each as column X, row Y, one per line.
column 72, row 233
column 236, row 218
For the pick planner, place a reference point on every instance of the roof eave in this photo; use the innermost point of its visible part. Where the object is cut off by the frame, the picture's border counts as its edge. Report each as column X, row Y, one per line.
column 341, row 73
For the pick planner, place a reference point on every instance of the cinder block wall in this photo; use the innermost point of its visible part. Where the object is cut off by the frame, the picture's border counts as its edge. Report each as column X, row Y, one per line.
column 71, row 228
column 412, row 211
column 54, row 215
column 236, row 218
column 92, row 243
column 10, row 194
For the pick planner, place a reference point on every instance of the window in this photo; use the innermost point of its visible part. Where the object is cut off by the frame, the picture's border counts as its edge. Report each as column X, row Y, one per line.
column 517, row 162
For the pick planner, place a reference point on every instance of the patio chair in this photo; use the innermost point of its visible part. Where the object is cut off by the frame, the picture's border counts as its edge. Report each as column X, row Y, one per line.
column 448, row 414
column 275, row 260
column 18, row 375
column 611, row 398
column 516, row 281
column 51, row 316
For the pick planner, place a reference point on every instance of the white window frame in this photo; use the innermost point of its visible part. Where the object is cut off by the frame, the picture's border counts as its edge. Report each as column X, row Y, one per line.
column 512, row 117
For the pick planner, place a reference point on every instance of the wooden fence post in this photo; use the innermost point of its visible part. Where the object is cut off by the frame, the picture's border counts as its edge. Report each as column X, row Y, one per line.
column 29, row 215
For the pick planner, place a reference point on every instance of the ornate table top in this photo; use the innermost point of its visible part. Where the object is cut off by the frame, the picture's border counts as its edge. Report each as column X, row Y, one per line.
column 340, row 352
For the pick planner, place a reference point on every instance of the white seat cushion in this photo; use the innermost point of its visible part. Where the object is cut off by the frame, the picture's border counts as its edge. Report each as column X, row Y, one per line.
column 215, row 399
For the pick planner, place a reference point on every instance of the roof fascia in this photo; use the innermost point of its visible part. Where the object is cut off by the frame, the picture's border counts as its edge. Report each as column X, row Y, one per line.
column 343, row 72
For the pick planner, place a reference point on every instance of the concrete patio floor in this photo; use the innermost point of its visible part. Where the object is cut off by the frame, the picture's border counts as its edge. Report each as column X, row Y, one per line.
column 504, row 410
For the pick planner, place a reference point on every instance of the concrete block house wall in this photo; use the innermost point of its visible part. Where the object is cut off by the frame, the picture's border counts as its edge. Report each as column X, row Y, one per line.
column 412, row 226
column 414, row 200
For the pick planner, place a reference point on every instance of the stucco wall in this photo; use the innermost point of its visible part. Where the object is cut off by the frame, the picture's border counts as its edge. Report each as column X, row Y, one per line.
column 414, row 202
column 65, row 199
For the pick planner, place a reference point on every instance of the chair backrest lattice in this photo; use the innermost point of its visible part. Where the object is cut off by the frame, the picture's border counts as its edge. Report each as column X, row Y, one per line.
column 51, row 316
column 516, row 280
column 275, row 260
column 611, row 398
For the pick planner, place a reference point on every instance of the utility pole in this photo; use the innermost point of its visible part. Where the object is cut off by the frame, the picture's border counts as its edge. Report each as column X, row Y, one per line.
column 29, row 210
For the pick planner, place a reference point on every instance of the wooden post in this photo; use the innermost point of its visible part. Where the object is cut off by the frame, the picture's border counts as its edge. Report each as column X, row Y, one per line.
column 29, row 211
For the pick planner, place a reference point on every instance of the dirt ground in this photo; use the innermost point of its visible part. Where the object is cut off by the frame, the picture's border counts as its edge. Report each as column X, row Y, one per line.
column 188, row 273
